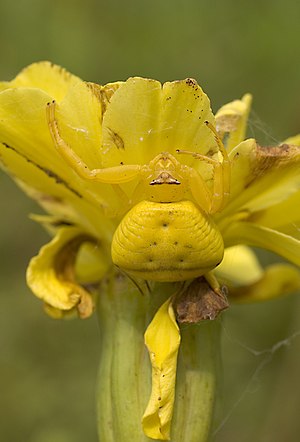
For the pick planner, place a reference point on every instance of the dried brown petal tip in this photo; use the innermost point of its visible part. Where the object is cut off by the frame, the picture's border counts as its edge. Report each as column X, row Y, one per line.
column 199, row 302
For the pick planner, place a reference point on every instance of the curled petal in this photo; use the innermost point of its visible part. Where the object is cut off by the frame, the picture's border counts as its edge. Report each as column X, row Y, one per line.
column 232, row 119
column 162, row 339
column 51, row 274
column 277, row 280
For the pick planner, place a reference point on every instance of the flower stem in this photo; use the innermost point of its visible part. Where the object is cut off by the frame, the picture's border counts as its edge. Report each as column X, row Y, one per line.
column 124, row 380
column 196, row 387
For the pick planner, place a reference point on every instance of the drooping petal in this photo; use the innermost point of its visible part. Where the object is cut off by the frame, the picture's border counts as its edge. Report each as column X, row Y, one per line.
column 162, row 339
column 239, row 267
column 51, row 274
column 232, row 119
column 277, row 280
column 258, row 236
column 52, row 79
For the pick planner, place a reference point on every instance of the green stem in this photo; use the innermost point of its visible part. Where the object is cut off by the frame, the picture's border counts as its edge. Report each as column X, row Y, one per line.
column 124, row 381
column 196, row 388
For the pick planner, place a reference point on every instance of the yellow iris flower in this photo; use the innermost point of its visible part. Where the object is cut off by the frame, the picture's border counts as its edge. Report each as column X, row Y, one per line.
column 87, row 154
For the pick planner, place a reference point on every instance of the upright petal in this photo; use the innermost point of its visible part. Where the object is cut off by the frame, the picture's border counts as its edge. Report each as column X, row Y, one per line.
column 145, row 118
column 232, row 119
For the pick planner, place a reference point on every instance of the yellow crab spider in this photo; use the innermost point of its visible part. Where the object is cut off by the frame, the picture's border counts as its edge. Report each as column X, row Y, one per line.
column 165, row 236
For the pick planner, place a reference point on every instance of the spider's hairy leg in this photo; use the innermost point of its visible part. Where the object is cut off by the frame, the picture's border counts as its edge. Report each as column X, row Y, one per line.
column 221, row 188
column 114, row 175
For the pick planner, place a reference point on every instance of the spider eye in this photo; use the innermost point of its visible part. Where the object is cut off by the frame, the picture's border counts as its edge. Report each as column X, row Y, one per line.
column 164, row 178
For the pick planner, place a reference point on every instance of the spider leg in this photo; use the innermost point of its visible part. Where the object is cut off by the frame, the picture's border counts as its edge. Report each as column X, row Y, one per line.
column 221, row 186
column 113, row 175
column 214, row 200
column 198, row 188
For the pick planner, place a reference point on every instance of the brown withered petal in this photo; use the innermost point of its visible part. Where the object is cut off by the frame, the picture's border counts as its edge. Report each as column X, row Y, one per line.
column 198, row 302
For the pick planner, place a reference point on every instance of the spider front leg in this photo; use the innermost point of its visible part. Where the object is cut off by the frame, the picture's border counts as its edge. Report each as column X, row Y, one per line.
column 109, row 175
column 221, row 176
column 215, row 199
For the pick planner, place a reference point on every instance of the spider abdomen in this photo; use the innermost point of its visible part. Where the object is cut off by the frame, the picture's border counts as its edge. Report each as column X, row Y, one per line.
column 167, row 242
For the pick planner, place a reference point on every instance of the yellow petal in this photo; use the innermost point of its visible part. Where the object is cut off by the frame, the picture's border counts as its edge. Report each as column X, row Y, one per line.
column 293, row 140
column 24, row 135
column 262, row 177
column 162, row 339
column 79, row 118
column 239, row 267
column 184, row 109
column 51, row 274
column 277, row 280
column 92, row 260
column 145, row 118
column 91, row 263
column 284, row 216
column 28, row 153
column 52, row 79
column 241, row 158
column 232, row 119
column 259, row 236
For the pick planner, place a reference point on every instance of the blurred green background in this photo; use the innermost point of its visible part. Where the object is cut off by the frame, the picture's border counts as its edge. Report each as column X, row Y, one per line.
column 48, row 368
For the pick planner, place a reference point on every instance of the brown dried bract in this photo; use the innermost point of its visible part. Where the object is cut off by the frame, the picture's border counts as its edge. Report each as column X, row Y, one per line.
column 199, row 302
column 274, row 157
